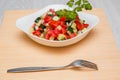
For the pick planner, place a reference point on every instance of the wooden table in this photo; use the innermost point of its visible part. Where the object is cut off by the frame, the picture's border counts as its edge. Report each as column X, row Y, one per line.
column 17, row 50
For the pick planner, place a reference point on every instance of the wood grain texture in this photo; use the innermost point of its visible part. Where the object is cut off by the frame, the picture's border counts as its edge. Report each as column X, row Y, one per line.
column 17, row 50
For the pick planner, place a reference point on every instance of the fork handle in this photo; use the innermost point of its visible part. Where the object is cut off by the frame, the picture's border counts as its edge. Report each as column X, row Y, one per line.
column 33, row 69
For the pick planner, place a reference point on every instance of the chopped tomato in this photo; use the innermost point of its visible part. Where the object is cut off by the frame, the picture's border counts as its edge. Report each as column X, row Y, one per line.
column 33, row 25
column 73, row 35
column 47, row 19
column 79, row 25
column 67, row 36
column 77, row 18
column 37, row 32
column 63, row 19
column 53, row 12
column 63, row 24
column 53, row 23
column 56, row 31
column 52, row 33
column 47, row 36
column 85, row 25
column 49, row 32
column 40, row 29
column 63, row 30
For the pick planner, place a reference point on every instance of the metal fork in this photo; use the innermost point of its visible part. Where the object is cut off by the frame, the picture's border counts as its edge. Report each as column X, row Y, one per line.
column 75, row 64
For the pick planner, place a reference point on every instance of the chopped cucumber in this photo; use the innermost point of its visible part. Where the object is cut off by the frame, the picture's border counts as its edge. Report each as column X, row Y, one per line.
column 41, row 31
column 84, row 30
column 43, row 15
column 75, row 30
column 42, row 26
column 42, row 35
column 73, row 26
column 61, row 37
column 50, row 13
column 59, row 27
column 56, row 18
column 46, row 24
column 69, row 32
column 70, row 29
column 45, row 30
column 51, row 38
column 36, row 28
column 39, row 23
column 31, row 30
column 37, row 19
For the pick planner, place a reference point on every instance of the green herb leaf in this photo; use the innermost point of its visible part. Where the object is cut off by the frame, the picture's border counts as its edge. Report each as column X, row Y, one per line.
column 70, row 15
column 60, row 13
column 78, row 9
column 88, row 6
column 78, row 3
column 85, row 1
column 71, row 0
column 70, row 4
column 83, row 5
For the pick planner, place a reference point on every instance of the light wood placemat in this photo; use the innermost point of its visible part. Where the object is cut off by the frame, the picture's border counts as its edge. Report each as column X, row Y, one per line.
column 17, row 50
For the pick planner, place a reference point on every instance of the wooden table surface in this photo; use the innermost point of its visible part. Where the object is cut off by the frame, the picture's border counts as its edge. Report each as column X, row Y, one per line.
column 17, row 50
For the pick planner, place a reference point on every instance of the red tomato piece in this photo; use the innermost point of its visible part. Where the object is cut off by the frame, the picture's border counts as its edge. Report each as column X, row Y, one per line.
column 63, row 19
column 47, row 36
column 47, row 19
column 54, row 34
column 85, row 25
column 40, row 29
column 67, row 36
column 79, row 25
column 49, row 32
column 33, row 25
column 37, row 33
column 64, row 31
column 63, row 24
column 56, row 31
column 77, row 17
column 53, row 12
column 73, row 35
column 54, row 24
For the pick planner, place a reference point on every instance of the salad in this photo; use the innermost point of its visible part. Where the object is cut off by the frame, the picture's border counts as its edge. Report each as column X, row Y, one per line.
column 58, row 25
column 61, row 24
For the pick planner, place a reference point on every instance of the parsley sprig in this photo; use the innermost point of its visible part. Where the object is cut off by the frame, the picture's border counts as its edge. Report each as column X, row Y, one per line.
column 79, row 5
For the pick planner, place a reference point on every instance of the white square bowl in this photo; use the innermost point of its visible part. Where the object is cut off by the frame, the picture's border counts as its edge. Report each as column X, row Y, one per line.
column 25, row 23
